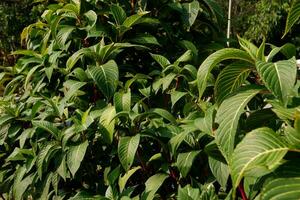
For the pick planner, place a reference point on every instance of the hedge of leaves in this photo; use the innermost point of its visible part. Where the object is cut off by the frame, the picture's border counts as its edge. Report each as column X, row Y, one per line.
column 108, row 101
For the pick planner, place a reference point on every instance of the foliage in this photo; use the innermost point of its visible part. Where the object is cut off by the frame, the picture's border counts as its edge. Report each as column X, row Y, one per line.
column 107, row 102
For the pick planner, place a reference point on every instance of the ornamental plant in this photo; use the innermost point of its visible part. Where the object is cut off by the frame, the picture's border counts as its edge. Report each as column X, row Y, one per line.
column 108, row 102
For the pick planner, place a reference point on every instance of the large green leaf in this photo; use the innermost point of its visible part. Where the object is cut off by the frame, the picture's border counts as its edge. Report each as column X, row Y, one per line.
column 185, row 162
column 228, row 116
column 213, row 60
column 293, row 16
column 230, row 79
column 127, row 148
column 75, row 156
column 106, row 77
column 260, row 152
column 279, row 77
column 284, row 183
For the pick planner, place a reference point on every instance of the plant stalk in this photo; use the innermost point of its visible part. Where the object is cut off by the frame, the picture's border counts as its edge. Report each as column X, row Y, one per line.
column 229, row 21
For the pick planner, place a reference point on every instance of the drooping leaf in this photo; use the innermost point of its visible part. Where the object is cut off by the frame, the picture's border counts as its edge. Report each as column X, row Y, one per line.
column 75, row 156
column 213, row 60
column 127, row 148
column 106, row 77
column 260, row 152
column 228, row 116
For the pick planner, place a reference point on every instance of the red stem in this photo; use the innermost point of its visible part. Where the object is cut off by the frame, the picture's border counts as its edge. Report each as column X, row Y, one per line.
column 242, row 191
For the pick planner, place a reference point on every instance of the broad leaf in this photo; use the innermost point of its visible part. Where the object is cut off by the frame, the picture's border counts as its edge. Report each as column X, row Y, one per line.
column 220, row 170
column 260, row 152
column 279, row 77
column 293, row 16
column 230, row 79
column 185, row 162
column 106, row 77
column 190, row 13
column 213, row 60
column 127, row 148
column 228, row 116
column 75, row 156
column 107, row 124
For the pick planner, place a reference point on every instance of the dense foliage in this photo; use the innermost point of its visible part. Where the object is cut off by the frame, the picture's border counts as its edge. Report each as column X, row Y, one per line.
column 108, row 102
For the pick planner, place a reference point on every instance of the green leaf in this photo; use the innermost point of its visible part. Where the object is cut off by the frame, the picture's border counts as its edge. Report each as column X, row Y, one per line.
column 185, row 162
column 133, row 19
column 292, row 136
column 190, row 13
column 145, row 39
column 293, row 16
column 127, row 148
column 213, row 60
column 41, row 157
column 230, row 79
column 106, row 77
column 250, row 48
column 49, row 127
column 107, row 124
column 176, row 96
column 118, row 13
column 123, row 180
column 228, row 116
column 75, row 156
column 220, row 170
column 260, row 152
column 284, row 183
column 154, row 182
column 122, row 101
column 175, row 141
column 279, row 77
column 165, row 114
column 188, row 193
column 205, row 124
column 76, row 56
column 161, row 60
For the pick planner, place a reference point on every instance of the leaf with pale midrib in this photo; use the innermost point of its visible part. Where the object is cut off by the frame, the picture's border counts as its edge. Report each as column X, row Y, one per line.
column 228, row 116
column 126, row 150
column 75, row 156
column 279, row 77
column 260, row 152
column 213, row 60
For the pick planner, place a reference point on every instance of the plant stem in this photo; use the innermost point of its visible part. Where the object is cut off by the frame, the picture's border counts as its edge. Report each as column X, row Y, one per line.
column 229, row 21
column 242, row 191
